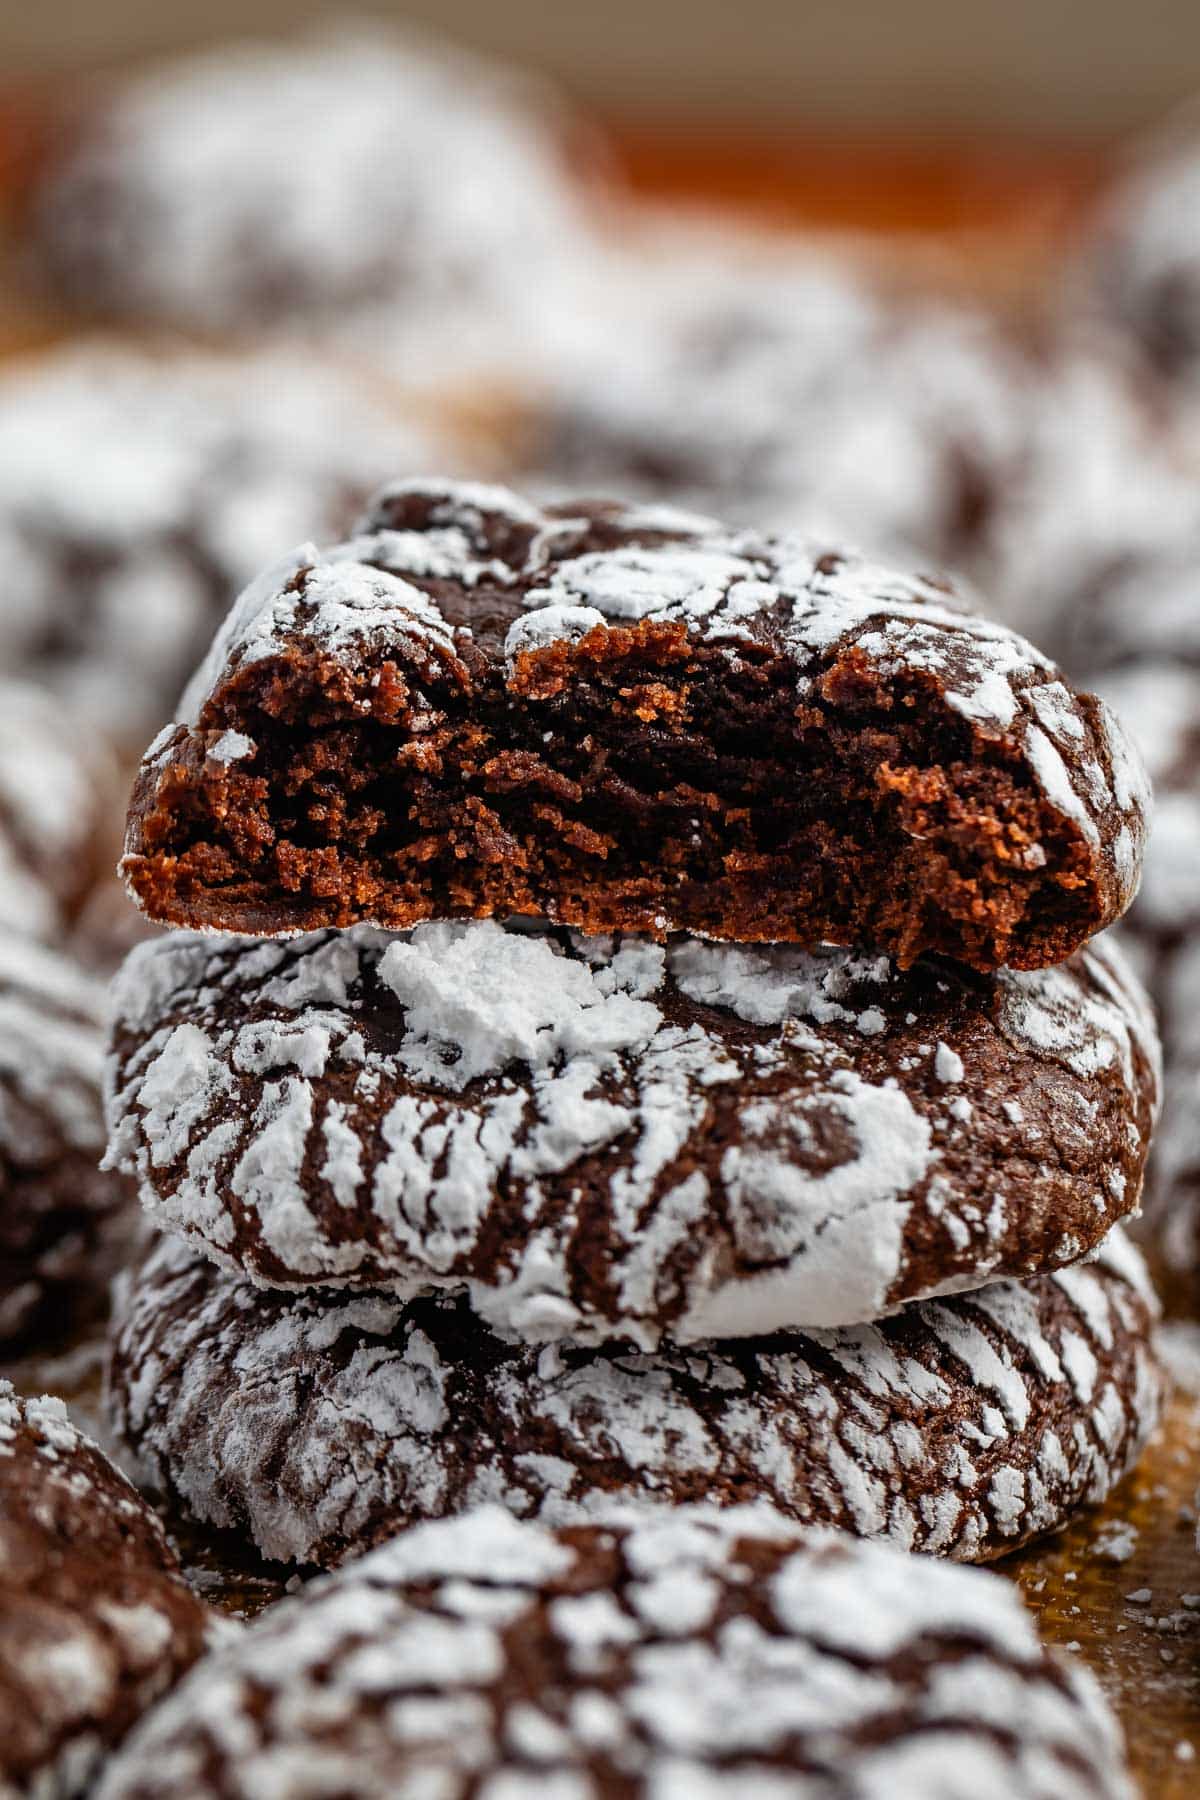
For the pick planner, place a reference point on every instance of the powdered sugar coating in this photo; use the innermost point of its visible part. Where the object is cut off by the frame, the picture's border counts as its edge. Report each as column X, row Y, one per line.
column 701, row 1654
column 608, row 1138
column 138, row 492
column 97, row 1620
column 261, row 182
column 319, row 1423
column 443, row 579
column 57, row 1210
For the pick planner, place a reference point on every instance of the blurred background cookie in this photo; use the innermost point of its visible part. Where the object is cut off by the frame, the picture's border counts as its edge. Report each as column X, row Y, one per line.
column 268, row 181
column 96, row 1621
column 63, row 1223
column 58, row 790
column 139, row 492
column 609, row 1139
column 312, row 1425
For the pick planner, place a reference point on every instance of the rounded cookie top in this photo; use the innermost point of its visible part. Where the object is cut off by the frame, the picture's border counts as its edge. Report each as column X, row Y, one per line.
column 97, row 1619
column 119, row 562
column 317, row 1424
column 617, row 1139
column 58, row 1212
column 699, row 1653
column 261, row 182
column 483, row 647
column 56, row 782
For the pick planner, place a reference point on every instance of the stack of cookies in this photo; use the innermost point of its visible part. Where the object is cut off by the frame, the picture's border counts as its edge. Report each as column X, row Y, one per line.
column 521, row 1137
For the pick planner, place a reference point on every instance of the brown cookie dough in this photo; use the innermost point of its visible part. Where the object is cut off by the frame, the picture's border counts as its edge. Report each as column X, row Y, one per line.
column 619, row 1140
column 95, row 1619
column 696, row 1654
column 61, row 1220
column 138, row 493
column 632, row 719
column 317, row 1425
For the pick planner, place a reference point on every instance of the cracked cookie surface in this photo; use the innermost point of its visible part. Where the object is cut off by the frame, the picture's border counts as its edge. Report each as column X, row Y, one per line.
column 613, row 1138
column 697, row 1654
column 317, row 1424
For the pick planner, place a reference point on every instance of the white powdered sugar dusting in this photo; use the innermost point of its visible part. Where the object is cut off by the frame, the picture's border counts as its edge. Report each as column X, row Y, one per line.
column 777, row 1131
column 1112, row 1028
column 487, row 998
column 782, row 1691
column 353, row 1421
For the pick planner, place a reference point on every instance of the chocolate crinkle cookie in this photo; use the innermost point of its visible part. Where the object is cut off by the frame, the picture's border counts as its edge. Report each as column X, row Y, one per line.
column 1145, row 610
column 1143, row 259
column 1159, row 703
column 684, row 1657
column 1173, row 1182
column 63, row 1222
column 1084, row 548
column 316, row 1424
column 612, row 1138
column 137, row 492
column 624, row 718
column 264, row 182
column 96, row 1621
column 57, row 786
column 789, row 389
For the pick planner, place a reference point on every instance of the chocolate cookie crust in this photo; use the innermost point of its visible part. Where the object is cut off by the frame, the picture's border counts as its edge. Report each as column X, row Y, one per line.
column 60, row 1216
column 318, row 1425
column 625, row 718
column 611, row 1139
column 97, row 1620
column 698, row 1654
